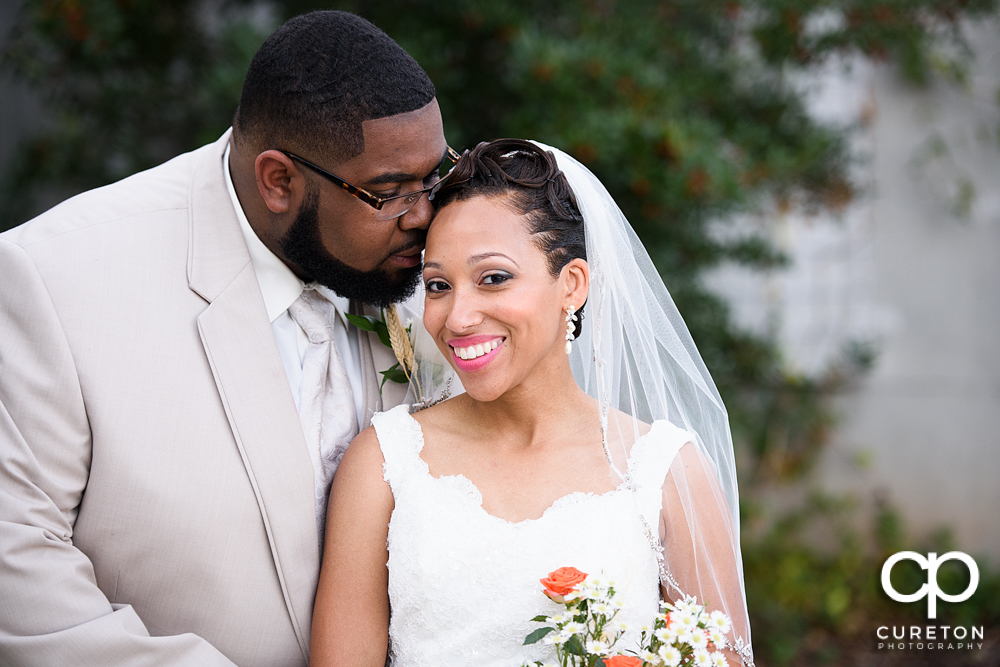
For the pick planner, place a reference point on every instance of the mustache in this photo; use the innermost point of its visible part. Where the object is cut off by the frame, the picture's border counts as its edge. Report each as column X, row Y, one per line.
column 409, row 245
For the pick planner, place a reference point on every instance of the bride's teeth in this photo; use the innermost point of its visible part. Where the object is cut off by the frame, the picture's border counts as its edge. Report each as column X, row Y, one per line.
column 474, row 351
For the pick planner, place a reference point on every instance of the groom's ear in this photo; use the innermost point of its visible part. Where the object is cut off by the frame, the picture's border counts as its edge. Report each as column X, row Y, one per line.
column 279, row 181
column 576, row 276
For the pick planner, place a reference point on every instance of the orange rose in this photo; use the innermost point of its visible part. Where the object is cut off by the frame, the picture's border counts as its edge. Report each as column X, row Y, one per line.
column 623, row 661
column 562, row 582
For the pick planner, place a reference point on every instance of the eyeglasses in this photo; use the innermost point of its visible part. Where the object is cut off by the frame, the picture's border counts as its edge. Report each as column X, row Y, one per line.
column 388, row 207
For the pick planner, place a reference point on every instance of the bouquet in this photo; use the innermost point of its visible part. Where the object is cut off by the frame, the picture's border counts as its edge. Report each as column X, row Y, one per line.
column 585, row 634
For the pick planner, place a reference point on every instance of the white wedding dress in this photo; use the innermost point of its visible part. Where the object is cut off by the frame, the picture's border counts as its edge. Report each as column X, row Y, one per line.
column 463, row 584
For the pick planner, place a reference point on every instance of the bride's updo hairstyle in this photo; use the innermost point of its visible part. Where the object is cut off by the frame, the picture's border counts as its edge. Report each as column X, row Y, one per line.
column 527, row 179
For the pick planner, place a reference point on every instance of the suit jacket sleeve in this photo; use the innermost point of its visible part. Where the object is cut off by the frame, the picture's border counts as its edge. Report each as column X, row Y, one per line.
column 51, row 609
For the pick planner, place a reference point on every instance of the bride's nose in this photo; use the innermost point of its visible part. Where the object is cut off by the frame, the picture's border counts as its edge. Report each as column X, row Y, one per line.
column 465, row 313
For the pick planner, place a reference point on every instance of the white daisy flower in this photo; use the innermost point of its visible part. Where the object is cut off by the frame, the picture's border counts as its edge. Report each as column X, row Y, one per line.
column 597, row 647
column 689, row 605
column 686, row 620
column 720, row 621
column 666, row 635
column 574, row 628
column 699, row 639
column 554, row 638
column 671, row 656
column 602, row 608
column 648, row 656
column 717, row 638
column 719, row 660
column 644, row 628
column 702, row 658
column 559, row 618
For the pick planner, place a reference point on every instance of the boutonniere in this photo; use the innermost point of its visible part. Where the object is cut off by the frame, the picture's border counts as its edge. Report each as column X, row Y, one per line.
column 394, row 335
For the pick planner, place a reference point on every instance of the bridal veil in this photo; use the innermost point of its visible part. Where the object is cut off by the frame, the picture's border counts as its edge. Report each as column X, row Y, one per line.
column 637, row 358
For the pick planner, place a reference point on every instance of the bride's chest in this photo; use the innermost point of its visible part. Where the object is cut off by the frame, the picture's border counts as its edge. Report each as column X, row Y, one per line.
column 439, row 528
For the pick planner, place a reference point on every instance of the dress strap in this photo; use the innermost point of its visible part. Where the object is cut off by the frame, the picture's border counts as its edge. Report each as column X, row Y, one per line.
column 650, row 462
column 400, row 439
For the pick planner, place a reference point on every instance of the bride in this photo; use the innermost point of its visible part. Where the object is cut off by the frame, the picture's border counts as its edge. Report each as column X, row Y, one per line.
column 590, row 435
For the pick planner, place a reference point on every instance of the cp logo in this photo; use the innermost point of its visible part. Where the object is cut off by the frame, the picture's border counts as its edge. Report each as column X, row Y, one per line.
column 930, row 589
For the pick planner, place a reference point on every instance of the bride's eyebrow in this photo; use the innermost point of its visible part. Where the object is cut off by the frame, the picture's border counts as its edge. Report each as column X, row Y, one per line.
column 486, row 255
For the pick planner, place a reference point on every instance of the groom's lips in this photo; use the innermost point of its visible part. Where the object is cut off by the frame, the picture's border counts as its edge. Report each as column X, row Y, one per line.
column 408, row 258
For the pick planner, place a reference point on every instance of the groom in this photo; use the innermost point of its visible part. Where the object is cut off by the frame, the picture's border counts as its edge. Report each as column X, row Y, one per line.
column 177, row 375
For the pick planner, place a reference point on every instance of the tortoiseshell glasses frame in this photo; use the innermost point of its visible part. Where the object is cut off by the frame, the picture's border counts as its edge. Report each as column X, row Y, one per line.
column 387, row 208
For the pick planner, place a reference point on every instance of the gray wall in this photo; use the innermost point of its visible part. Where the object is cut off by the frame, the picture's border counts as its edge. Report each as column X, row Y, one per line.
column 913, row 267
column 930, row 411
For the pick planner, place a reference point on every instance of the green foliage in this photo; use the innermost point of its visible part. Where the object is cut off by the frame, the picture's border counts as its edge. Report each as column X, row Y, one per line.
column 814, row 583
column 129, row 85
column 682, row 108
column 373, row 324
column 538, row 634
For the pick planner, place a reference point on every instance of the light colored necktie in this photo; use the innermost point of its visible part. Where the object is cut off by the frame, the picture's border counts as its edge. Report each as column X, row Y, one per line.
column 326, row 403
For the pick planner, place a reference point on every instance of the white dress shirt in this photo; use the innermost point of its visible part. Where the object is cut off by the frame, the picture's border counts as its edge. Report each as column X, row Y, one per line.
column 280, row 287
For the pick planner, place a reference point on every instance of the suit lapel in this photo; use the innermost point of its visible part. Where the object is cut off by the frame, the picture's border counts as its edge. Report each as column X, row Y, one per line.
column 372, row 400
column 241, row 349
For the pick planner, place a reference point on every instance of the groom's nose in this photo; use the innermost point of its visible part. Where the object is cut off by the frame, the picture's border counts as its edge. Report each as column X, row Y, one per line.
column 418, row 217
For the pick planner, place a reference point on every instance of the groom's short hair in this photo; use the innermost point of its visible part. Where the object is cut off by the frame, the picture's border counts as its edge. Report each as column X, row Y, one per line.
column 317, row 78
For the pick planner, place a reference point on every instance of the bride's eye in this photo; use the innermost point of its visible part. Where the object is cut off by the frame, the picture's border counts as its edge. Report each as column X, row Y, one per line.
column 496, row 278
column 435, row 286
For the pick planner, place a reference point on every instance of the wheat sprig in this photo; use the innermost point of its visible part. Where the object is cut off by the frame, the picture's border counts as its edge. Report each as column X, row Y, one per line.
column 401, row 345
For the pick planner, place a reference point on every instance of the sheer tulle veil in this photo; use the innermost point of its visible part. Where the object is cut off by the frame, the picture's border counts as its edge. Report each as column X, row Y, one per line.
column 637, row 358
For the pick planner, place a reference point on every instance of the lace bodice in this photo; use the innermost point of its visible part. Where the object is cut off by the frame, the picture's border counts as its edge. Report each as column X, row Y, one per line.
column 463, row 584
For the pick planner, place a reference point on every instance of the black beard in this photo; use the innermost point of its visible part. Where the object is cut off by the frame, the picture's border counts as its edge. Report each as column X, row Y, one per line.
column 302, row 246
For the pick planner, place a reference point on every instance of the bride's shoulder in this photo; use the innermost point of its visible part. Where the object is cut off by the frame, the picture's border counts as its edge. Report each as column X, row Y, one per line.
column 363, row 457
column 441, row 417
column 638, row 438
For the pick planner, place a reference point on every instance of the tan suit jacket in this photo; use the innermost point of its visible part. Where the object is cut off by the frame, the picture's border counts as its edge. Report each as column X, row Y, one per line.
column 156, row 493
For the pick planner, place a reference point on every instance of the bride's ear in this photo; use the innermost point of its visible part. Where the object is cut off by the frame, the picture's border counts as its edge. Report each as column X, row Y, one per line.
column 576, row 278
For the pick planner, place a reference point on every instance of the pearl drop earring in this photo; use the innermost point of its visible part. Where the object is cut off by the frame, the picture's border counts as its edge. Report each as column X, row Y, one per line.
column 570, row 327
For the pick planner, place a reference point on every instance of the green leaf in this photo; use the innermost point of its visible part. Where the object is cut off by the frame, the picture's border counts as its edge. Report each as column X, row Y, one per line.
column 574, row 646
column 365, row 322
column 383, row 333
column 536, row 635
column 541, row 618
column 395, row 374
column 373, row 324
